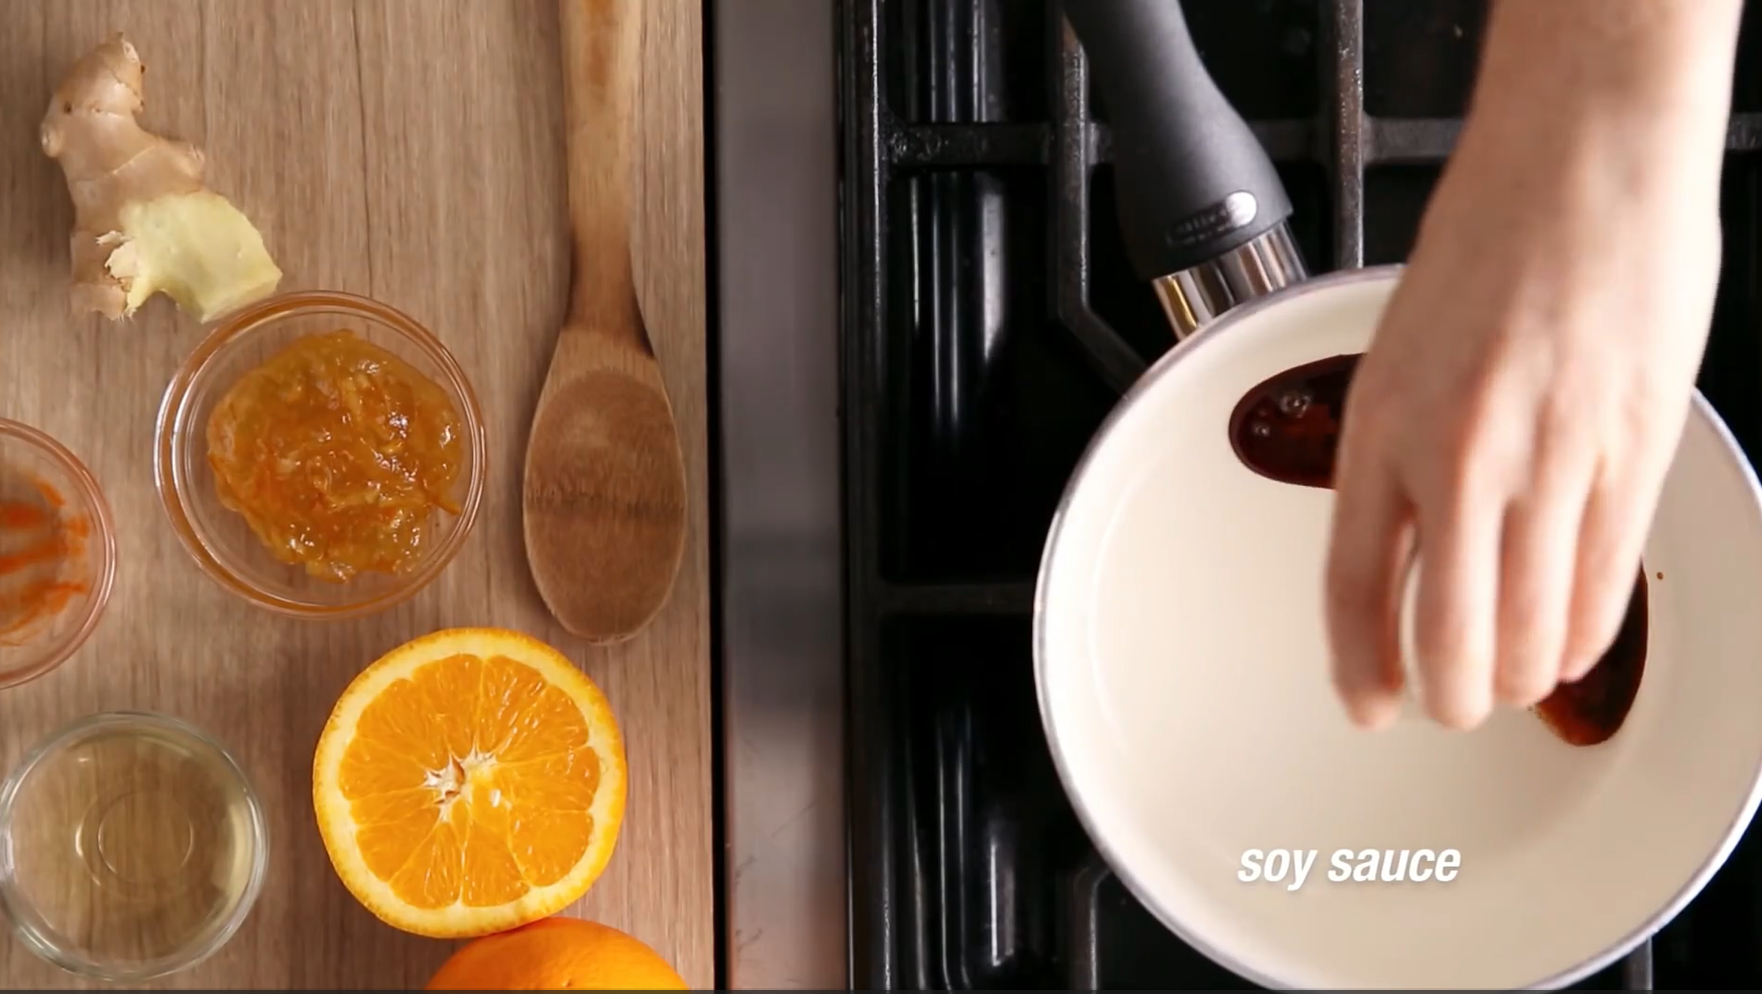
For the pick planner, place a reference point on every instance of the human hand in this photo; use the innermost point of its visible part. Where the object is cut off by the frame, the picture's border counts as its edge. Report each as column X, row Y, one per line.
column 1510, row 427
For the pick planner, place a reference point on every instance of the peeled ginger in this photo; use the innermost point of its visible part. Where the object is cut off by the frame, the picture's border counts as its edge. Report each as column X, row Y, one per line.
column 144, row 221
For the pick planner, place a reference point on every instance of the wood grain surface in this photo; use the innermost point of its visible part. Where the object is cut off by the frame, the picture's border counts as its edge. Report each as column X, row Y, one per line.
column 409, row 150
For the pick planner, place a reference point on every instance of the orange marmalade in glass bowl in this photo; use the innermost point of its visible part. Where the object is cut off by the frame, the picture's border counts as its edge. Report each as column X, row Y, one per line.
column 321, row 455
column 338, row 454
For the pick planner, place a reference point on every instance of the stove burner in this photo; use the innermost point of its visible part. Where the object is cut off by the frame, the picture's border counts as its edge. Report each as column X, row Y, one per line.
column 991, row 320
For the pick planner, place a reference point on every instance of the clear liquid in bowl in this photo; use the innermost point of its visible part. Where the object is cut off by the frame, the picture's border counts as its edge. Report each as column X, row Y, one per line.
column 133, row 847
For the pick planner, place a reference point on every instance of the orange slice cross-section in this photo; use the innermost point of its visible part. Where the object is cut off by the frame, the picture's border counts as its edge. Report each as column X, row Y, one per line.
column 469, row 782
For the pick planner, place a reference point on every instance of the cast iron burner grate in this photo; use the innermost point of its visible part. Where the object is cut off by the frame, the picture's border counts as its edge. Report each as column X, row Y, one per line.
column 990, row 322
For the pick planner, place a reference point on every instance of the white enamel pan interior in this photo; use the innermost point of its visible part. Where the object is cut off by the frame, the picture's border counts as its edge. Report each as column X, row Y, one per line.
column 1183, row 682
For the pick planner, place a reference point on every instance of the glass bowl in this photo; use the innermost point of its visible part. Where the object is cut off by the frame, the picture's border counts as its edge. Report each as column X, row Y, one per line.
column 132, row 846
column 220, row 540
column 57, row 553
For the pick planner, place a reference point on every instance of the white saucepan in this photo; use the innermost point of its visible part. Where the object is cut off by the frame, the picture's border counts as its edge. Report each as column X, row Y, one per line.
column 1184, row 685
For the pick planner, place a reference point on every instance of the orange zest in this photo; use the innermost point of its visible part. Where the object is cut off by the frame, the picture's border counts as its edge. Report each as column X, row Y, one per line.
column 469, row 782
column 41, row 549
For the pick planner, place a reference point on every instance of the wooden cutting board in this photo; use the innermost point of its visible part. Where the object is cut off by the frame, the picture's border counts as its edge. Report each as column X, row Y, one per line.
column 412, row 151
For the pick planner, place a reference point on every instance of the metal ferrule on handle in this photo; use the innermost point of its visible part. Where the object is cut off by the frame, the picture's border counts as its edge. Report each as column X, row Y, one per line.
column 1194, row 297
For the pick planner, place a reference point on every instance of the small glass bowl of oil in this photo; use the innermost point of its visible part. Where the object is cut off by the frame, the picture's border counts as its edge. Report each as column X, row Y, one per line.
column 132, row 846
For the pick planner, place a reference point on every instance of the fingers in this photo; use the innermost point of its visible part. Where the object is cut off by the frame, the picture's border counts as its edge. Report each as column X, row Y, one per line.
column 1611, row 537
column 1539, row 560
column 1459, row 545
column 1368, row 558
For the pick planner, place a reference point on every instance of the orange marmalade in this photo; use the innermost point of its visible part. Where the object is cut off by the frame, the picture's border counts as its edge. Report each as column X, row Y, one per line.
column 337, row 453
column 41, row 549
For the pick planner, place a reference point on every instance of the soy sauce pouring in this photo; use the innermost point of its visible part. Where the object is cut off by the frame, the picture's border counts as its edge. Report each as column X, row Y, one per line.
column 1287, row 429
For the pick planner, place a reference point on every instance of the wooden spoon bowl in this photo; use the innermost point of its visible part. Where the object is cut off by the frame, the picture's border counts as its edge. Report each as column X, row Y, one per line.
column 604, row 487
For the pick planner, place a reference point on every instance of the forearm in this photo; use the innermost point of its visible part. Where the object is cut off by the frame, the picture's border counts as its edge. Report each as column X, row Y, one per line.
column 1645, row 57
column 1624, row 97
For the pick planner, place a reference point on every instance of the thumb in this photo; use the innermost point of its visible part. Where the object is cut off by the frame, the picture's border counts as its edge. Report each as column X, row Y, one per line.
column 1369, row 551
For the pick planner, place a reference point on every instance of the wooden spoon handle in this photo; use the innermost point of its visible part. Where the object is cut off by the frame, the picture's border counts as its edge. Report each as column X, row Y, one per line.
column 600, row 45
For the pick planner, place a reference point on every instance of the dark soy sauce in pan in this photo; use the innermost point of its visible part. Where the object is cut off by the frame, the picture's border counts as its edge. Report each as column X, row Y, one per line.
column 1592, row 710
column 1287, row 429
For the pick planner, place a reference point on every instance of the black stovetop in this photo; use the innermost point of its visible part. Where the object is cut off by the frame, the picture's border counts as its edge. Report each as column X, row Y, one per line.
column 990, row 321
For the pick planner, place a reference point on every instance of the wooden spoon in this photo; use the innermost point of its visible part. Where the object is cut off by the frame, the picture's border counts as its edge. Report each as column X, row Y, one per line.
column 604, row 491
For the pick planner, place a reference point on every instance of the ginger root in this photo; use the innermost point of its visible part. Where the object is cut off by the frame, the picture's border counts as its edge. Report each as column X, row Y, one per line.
column 144, row 222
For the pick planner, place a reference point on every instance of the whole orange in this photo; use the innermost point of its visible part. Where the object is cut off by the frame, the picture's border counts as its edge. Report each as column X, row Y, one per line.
column 554, row 954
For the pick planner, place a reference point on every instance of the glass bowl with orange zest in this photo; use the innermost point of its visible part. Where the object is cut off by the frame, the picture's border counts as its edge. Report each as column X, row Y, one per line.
column 321, row 455
column 57, row 553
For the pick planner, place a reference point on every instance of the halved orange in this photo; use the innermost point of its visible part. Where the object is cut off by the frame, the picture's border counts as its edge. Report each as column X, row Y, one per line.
column 469, row 782
column 557, row 954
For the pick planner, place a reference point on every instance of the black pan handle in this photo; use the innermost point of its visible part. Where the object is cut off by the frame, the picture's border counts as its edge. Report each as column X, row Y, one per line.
column 1193, row 181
